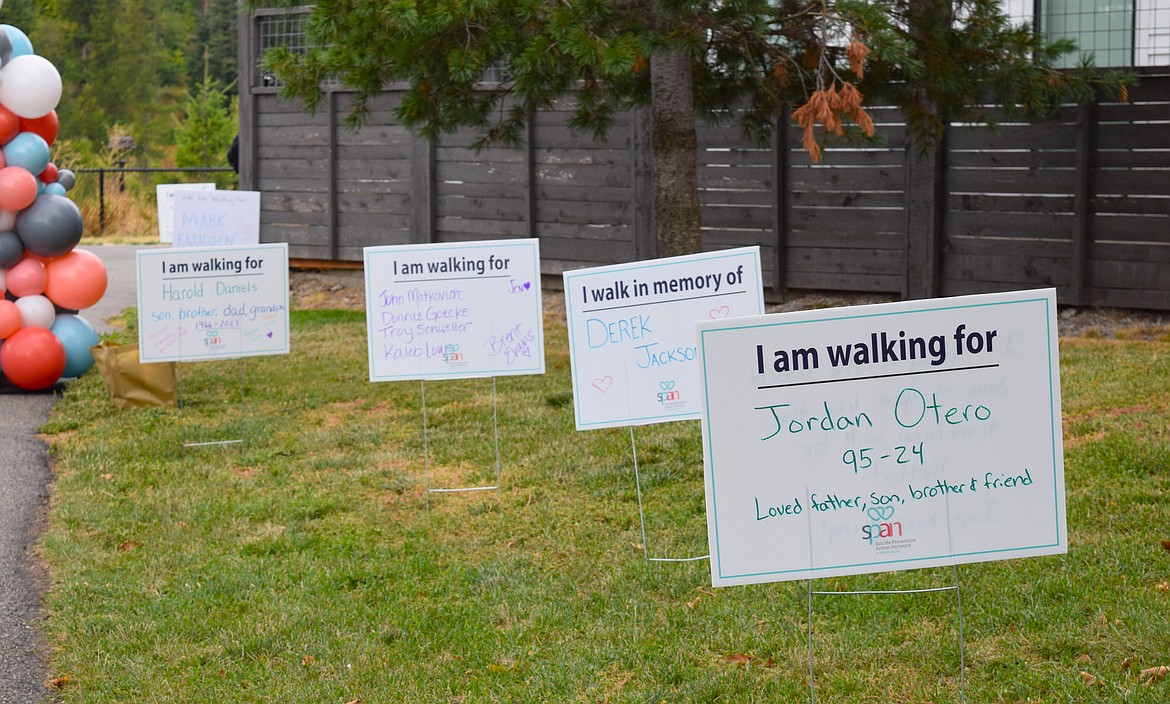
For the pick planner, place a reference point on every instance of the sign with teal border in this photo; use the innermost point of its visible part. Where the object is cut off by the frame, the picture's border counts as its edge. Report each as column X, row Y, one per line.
column 454, row 310
column 631, row 326
column 882, row 437
column 204, row 303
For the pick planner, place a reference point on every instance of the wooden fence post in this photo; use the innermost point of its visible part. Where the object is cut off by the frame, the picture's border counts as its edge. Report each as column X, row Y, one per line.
column 780, row 203
column 1086, row 119
column 925, row 207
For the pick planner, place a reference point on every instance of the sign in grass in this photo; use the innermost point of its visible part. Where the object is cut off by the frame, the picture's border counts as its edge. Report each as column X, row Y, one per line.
column 883, row 437
column 632, row 332
column 165, row 199
column 208, row 303
column 211, row 218
column 459, row 310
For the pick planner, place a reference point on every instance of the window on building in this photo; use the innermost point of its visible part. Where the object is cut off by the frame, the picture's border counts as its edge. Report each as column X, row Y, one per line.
column 1116, row 32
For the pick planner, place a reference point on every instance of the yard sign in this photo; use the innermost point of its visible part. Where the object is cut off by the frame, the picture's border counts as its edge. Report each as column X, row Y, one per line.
column 883, row 437
column 632, row 332
column 204, row 303
column 458, row 310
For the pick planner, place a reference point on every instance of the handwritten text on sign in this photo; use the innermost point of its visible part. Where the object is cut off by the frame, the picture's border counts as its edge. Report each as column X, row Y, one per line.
column 883, row 437
column 210, row 218
column 632, row 333
column 204, row 303
column 444, row 311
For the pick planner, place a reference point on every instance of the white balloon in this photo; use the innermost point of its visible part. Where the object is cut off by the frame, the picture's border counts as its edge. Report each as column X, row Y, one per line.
column 36, row 311
column 31, row 86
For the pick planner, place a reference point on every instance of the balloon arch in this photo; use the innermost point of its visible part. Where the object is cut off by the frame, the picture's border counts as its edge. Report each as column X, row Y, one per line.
column 44, row 280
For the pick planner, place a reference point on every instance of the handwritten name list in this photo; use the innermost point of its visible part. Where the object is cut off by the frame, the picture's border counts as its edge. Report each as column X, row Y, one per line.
column 447, row 311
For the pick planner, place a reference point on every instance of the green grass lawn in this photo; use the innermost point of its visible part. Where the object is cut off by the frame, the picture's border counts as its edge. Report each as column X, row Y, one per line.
column 306, row 565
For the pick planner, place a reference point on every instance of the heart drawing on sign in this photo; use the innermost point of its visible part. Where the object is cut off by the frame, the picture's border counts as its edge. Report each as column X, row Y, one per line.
column 270, row 335
column 881, row 513
column 602, row 384
column 527, row 285
column 666, row 385
column 720, row 312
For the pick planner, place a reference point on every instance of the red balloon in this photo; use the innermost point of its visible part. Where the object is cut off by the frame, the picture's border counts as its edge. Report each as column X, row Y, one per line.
column 10, row 320
column 32, row 359
column 9, row 125
column 27, row 278
column 18, row 188
column 76, row 280
column 49, row 175
column 46, row 126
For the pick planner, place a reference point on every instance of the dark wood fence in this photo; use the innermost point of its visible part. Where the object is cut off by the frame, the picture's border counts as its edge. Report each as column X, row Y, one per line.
column 1080, row 201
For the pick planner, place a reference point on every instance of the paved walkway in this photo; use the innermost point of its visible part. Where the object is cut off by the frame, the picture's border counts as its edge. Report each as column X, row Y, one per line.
column 24, row 476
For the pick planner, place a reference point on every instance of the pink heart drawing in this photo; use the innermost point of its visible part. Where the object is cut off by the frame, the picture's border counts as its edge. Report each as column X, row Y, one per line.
column 720, row 312
column 603, row 383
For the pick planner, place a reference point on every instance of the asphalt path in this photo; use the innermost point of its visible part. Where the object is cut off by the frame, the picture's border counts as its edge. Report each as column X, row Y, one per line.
column 24, row 479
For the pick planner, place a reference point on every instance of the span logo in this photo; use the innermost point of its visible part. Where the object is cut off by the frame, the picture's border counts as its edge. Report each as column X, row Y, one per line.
column 451, row 354
column 212, row 340
column 667, row 393
column 882, row 526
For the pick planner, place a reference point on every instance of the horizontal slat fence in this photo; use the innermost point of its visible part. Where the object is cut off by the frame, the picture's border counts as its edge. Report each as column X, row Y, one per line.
column 1079, row 201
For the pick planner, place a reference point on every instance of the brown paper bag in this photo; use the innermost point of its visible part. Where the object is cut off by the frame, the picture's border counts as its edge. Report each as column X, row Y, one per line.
column 132, row 384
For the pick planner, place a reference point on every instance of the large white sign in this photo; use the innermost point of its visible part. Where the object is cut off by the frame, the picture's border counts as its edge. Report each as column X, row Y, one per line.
column 216, row 218
column 458, row 310
column 207, row 303
column 632, row 332
column 884, row 437
column 165, row 198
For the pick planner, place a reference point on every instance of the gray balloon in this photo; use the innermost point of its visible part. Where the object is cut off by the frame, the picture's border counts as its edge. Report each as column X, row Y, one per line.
column 5, row 47
column 11, row 249
column 67, row 179
column 51, row 226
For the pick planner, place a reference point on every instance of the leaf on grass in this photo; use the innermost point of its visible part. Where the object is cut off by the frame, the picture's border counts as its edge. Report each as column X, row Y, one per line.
column 107, row 477
column 1090, row 680
column 1084, row 657
column 59, row 682
column 694, row 602
column 769, row 663
column 355, row 701
column 738, row 659
column 1162, row 586
column 1152, row 675
column 1126, row 663
column 129, row 546
column 308, row 661
column 1166, row 544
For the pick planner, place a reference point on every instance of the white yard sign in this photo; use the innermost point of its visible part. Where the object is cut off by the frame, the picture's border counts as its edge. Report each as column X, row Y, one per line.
column 207, row 303
column 216, row 218
column 458, row 310
column 884, row 437
column 632, row 332
column 165, row 198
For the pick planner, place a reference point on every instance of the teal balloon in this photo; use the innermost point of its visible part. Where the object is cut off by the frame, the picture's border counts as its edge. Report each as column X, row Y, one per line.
column 51, row 226
column 29, row 151
column 55, row 189
column 76, row 336
column 19, row 40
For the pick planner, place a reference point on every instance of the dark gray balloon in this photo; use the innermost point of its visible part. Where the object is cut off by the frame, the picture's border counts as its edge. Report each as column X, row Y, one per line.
column 51, row 226
column 67, row 179
column 11, row 249
column 5, row 47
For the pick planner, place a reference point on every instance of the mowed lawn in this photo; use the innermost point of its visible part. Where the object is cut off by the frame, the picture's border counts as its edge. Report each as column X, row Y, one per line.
column 308, row 565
